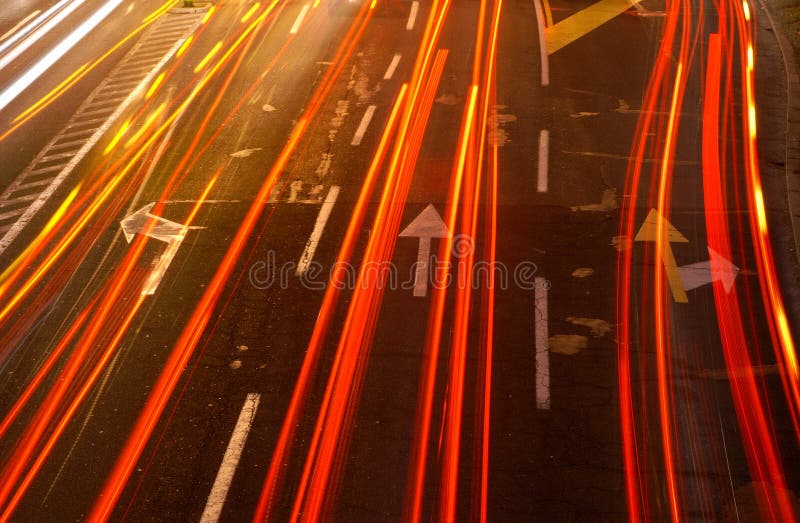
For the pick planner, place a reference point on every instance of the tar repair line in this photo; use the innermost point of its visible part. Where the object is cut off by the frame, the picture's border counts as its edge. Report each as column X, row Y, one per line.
column 230, row 460
column 542, row 351
column 362, row 127
column 316, row 234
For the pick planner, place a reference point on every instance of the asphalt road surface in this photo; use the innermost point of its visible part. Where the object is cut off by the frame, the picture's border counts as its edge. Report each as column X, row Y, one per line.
column 430, row 260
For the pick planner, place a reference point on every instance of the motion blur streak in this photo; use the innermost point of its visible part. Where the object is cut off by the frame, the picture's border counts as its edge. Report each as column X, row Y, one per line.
column 344, row 385
column 286, row 438
column 184, row 348
column 783, row 342
column 108, row 186
column 43, row 371
column 484, row 390
column 55, row 54
column 196, row 325
column 455, row 397
column 759, row 442
column 660, row 299
column 75, row 77
column 636, row 497
column 38, row 33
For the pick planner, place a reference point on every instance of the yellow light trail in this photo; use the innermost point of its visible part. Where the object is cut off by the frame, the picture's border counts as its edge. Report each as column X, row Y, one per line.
column 184, row 46
column 249, row 14
column 208, row 57
column 143, row 129
column 154, row 87
column 117, row 137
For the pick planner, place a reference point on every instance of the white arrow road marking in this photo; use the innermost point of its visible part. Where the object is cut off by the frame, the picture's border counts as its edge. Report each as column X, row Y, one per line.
column 715, row 269
column 230, row 460
column 172, row 233
column 428, row 224
column 316, row 234
column 140, row 221
column 542, row 350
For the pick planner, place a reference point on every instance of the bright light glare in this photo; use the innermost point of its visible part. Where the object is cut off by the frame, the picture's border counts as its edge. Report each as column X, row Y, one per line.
column 39, row 68
column 38, row 34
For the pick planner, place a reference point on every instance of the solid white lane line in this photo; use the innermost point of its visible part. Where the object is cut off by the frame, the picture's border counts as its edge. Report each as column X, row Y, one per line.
column 230, row 460
column 412, row 16
column 299, row 21
column 316, row 234
column 542, row 351
column 544, row 152
column 392, row 67
column 542, row 43
column 362, row 127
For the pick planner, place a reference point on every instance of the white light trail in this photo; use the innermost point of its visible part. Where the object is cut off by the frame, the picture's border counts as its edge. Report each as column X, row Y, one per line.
column 40, row 67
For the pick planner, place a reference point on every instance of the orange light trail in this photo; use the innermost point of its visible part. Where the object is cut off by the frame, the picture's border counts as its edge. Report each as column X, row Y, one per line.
column 452, row 439
column 635, row 489
column 760, row 447
column 325, row 316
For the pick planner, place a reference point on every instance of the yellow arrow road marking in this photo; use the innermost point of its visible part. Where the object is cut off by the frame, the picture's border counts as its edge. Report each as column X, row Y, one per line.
column 648, row 232
column 583, row 22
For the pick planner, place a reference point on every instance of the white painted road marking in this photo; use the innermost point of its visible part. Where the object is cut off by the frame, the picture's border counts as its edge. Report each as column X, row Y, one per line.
column 428, row 224
column 412, row 16
column 362, row 127
column 230, row 460
column 169, row 232
column 544, row 152
column 316, row 234
column 542, row 43
column 542, row 350
column 717, row 268
column 392, row 67
column 299, row 21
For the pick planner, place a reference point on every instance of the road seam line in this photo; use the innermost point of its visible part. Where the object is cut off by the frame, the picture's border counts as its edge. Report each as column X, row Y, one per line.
column 542, row 349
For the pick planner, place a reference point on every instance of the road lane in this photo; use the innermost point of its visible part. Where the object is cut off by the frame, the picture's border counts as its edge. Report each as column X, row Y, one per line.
column 363, row 400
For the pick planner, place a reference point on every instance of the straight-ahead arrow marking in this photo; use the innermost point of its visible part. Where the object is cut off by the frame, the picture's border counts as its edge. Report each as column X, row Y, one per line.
column 648, row 232
column 428, row 224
